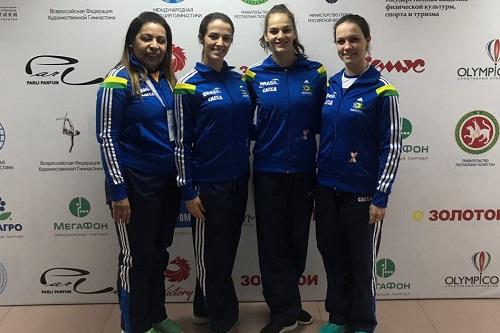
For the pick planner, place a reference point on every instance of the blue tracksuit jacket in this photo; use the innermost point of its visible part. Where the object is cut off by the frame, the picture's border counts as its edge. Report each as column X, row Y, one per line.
column 213, row 116
column 132, row 130
column 360, row 141
column 288, row 110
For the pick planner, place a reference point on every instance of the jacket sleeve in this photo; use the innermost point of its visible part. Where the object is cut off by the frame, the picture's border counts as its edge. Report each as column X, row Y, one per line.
column 110, row 106
column 249, row 77
column 184, row 111
column 320, row 98
column 390, row 143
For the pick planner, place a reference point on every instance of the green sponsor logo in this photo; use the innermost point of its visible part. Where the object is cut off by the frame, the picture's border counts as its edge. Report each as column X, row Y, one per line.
column 79, row 207
column 385, row 268
column 406, row 128
column 3, row 214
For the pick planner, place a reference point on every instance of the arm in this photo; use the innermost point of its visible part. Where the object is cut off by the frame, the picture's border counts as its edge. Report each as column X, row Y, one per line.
column 390, row 146
column 110, row 105
column 249, row 76
column 320, row 97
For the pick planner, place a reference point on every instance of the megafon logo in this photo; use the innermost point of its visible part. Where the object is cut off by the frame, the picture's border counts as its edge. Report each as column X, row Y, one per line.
column 477, row 132
column 79, row 207
column 401, row 66
column 178, row 58
column 481, row 260
column 254, row 2
column 385, row 268
column 180, row 272
column 484, row 73
column 40, row 70
column 2, row 136
column 406, row 128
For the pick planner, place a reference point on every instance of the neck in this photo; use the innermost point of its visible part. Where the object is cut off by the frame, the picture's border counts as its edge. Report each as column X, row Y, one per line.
column 155, row 75
column 356, row 69
column 216, row 65
column 284, row 59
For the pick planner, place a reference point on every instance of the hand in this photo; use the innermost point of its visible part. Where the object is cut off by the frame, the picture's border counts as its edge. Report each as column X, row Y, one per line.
column 377, row 214
column 121, row 210
column 195, row 207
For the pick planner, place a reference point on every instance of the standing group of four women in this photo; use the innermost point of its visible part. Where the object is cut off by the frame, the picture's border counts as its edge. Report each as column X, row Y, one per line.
column 197, row 134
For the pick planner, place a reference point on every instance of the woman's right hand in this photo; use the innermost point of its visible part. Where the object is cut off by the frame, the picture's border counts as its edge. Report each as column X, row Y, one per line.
column 195, row 207
column 121, row 210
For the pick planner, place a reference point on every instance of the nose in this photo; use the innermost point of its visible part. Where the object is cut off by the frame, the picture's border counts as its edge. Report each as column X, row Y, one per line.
column 153, row 44
column 219, row 41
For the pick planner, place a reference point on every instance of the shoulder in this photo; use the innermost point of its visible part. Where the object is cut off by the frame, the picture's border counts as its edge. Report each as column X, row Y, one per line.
column 187, row 84
column 251, row 72
column 385, row 88
column 117, row 78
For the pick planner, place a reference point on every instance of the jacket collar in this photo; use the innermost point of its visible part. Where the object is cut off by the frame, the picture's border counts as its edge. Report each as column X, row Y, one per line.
column 269, row 63
column 370, row 76
column 202, row 68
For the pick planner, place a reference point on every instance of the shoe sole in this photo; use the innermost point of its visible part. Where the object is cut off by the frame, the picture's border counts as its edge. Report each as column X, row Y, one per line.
column 300, row 322
column 288, row 328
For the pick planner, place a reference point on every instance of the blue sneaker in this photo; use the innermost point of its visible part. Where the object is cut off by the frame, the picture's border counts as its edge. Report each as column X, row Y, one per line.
column 333, row 328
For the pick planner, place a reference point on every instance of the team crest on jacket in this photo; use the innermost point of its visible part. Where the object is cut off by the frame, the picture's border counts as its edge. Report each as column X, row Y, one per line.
column 306, row 88
column 358, row 106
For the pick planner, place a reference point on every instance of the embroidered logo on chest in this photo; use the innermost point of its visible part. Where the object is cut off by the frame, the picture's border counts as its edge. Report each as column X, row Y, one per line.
column 269, row 86
column 213, row 95
column 306, row 88
column 358, row 105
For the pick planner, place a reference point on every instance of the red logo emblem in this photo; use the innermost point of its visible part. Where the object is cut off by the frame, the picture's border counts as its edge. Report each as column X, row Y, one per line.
column 180, row 273
column 178, row 58
column 404, row 66
column 477, row 132
column 481, row 260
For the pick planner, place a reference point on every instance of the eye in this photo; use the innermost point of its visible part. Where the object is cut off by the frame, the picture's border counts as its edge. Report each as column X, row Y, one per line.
column 146, row 37
column 287, row 30
column 213, row 36
column 340, row 42
column 273, row 31
column 161, row 40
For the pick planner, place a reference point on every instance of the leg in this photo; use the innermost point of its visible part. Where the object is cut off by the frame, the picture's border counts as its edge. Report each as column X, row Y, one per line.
column 331, row 235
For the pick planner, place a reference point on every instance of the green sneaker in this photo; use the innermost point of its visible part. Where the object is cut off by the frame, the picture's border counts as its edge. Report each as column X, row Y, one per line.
column 167, row 326
column 360, row 332
column 333, row 328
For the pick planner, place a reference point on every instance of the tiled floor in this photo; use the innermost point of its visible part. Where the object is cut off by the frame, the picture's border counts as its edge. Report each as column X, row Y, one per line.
column 425, row 316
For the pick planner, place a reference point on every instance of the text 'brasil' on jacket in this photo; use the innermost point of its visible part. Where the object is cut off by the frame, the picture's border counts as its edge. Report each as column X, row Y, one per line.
column 213, row 115
column 360, row 141
column 132, row 129
column 288, row 110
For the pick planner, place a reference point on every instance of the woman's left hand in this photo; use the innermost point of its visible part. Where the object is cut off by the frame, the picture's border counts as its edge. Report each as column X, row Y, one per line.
column 377, row 214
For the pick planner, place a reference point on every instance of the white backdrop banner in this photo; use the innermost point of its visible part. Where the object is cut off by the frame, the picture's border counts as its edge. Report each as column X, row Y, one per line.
column 440, row 238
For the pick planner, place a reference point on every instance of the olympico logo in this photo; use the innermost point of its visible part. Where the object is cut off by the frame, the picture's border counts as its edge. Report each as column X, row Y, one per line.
column 41, row 71
column 480, row 261
column 477, row 132
column 400, row 66
column 484, row 72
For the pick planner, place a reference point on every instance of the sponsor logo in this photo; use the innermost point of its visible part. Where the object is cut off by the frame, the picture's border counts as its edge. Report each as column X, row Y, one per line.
column 358, row 105
column 249, row 220
column 79, row 207
column 476, row 132
column 178, row 270
column 172, row 1
column 365, row 199
column 41, row 71
column 385, row 269
column 412, row 152
column 68, row 280
column 3, row 214
column 306, row 88
column 465, row 215
column 400, row 66
column 418, row 216
column 256, row 280
column 3, row 278
column 2, row 136
column 352, row 158
column 69, row 129
column 484, row 72
column 254, row 2
column 480, row 261
column 332, row 1
column 8, row 13
column 406, row 128
column 178, row 57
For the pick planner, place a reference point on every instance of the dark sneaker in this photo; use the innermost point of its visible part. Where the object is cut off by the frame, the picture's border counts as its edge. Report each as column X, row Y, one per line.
column 276, row 327
column 304, row 318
